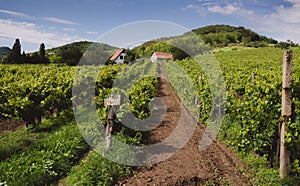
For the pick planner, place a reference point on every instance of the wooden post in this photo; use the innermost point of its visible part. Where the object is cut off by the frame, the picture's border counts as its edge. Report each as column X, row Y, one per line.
column 286, row 111
column 200, row 78
column 253, row 78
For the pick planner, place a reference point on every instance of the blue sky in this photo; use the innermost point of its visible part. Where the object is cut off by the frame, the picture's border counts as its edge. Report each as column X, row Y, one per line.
column 59, row 22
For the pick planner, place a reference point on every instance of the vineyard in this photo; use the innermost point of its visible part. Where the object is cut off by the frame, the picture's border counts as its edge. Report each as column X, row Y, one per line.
column 253, row 106
column 54, row 144
column 54, row 149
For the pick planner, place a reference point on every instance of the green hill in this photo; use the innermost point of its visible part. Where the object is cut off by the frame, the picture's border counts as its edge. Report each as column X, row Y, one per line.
column 212, row 36
column 224, row 35
column 73, row 52
column 81, row 45
column 4, row 51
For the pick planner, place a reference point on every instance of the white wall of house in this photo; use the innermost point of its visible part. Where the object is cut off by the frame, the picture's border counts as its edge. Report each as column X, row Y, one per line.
column 153, row 58
column 120, row 58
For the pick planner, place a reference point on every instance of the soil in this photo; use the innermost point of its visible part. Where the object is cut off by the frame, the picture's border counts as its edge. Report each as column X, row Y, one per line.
column 7, row 125
column 217, row 165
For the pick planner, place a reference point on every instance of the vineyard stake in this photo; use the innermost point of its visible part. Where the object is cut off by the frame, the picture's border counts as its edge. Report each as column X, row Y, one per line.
column 286, row 111
column 253, row 78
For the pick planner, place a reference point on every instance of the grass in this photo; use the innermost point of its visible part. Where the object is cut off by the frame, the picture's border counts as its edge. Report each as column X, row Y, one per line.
column 260, row 174
column 19, row 140
column 97, row 170
column 45, row 160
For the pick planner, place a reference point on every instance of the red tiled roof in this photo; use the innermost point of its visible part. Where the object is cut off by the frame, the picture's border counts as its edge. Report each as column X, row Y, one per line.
column 117, row 53
column 163, row 55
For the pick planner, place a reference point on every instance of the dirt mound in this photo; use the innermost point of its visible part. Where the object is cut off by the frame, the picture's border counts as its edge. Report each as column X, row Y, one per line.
column 216, row 165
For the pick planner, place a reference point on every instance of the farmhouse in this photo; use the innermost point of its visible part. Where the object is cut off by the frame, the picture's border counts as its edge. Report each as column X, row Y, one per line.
column 160, row 56
column 119, row 56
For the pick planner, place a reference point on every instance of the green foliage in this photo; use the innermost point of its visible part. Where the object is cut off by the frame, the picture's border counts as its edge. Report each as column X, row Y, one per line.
column 71, row 56
column 253, row 109
column 54, row 58
column 4, row 52
column 260, row 174
column 286, row 45
column 48, row 89
column 43, row 157
column 15, row 56
column 42, row 53
column 82, row 46
column 50, row 159
column 18, row 141
column 140, row 85
column 94, row 53
column 148, row 48
column 223, row 35
column 97, row 170
column 130, row 56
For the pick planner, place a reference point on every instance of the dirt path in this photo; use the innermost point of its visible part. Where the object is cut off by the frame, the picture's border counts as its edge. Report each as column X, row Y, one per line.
column 7, row 125
column 217, row 164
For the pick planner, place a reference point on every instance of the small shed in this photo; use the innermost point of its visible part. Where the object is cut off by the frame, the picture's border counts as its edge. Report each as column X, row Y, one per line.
column 160, row 56
column 119, row 56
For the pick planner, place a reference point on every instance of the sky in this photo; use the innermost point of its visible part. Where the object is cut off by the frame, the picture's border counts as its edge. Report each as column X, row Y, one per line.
column 58, row 22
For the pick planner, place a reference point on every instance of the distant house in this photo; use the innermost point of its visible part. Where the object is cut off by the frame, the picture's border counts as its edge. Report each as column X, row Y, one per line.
column 119, row 56
column 160, row 56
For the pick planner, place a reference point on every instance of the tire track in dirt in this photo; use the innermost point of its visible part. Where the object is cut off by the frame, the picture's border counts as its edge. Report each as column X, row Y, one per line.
column 217, row 164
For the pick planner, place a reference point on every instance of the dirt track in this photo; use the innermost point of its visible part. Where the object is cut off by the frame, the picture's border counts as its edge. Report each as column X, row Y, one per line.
column 217, row 164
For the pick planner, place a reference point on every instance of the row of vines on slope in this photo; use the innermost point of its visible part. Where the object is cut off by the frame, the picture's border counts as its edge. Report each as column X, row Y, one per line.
column 29, row 92
column 253, row 107
column 58, row 150
column 138, row 84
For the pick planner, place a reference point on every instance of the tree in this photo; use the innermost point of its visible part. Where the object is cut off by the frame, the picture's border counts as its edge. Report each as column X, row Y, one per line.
column 283, row 45
column 42, row 54
column 130, row 55
column 42, row 51
column 71, row 56
column 15, row 56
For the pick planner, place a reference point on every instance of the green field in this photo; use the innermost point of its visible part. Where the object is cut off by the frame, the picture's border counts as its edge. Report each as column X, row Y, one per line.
column 51, row 150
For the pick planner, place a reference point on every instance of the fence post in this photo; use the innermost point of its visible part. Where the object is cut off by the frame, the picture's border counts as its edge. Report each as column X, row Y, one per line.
column 253, row 78
column 286, row 111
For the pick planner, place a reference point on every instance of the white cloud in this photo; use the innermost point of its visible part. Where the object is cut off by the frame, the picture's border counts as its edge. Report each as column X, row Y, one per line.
column 228, row 9
column 296, row 3
column 284, row 23
column 60, row 21
column 51, row 27
column 16, row 14
column 199, row 9
column 4, row 39
column 69, row 29
column 30, row 32
column 92, row 33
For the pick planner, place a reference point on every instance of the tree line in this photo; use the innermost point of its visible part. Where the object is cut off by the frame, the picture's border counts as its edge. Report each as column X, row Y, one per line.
column 16, row 57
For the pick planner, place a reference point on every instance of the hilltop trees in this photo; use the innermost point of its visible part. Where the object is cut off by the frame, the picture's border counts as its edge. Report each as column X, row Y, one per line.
column 223, row 35
column 71, row 56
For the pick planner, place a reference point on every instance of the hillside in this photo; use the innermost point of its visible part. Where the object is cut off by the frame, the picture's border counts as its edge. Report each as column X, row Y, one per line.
column 223, row 35
column 73, row 52
column 4, row 51
column 81, row 45
column 213, row 36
